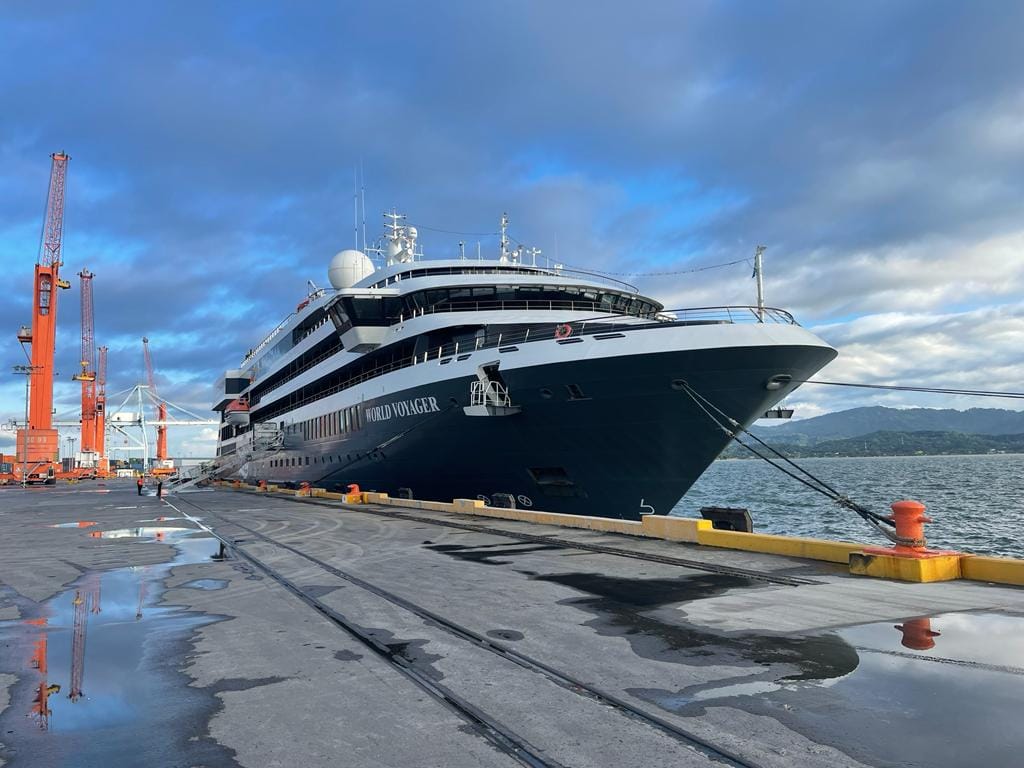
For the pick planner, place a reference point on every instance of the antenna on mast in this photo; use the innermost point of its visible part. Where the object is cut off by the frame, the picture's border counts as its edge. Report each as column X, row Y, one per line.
column 362, row 198
column 504, row 238
column 355, row 206
column 759, row 274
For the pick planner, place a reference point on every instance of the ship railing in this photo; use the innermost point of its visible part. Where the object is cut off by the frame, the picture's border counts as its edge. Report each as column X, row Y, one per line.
column 489, row 393
column 533, row 305
column 736, row 314
column 562, row 333
column 503, row 270
column 266, row 340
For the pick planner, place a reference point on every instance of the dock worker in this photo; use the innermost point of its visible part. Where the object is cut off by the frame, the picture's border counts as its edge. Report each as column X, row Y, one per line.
column 159, row 488
column 138, row 484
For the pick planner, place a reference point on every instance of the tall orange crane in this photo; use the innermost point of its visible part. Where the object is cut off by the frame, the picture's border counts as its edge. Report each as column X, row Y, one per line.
column 37, row 444
column 88, row 373
column 161, row 410
column 103, row 464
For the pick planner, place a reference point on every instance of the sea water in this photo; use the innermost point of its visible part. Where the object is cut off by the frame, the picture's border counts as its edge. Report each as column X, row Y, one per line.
column 976, row 502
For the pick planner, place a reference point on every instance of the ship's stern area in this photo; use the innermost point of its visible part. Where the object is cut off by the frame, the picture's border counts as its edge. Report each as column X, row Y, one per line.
column 617, row 427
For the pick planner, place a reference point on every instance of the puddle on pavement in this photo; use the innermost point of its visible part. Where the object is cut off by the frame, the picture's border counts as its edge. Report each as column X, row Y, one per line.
column 153, row 533
column 75, row 524
column 207, row 584
column 947, row 690
column 98, row 678
column 628, row 608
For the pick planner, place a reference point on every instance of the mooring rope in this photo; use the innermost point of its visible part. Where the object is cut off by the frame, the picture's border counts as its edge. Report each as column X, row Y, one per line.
column 879, row 522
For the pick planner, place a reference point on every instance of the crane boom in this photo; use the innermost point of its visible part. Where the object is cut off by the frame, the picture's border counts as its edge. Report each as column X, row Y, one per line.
column 51, row 241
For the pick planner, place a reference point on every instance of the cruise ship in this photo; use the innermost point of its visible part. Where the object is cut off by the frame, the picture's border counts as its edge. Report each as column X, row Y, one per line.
column 502, row 379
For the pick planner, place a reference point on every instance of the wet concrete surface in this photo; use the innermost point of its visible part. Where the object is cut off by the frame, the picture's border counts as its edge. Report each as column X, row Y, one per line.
column 224, row 666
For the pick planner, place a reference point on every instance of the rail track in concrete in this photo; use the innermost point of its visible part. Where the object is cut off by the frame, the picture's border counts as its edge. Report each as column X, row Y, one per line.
column 497, row 733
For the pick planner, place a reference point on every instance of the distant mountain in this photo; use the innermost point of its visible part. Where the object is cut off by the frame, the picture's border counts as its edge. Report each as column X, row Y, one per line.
column 858, row 422
column 894, row 444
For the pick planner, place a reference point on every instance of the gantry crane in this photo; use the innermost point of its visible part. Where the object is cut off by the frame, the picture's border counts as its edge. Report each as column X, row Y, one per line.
column 160, row 465
column 103, row 464
column 37, row 444
column 88, row 375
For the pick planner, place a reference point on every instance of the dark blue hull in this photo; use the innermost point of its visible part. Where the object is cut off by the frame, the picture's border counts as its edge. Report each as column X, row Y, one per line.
column 610, row 437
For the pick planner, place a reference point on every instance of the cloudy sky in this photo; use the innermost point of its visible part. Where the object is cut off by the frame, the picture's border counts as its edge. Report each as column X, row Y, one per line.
column 875, row 148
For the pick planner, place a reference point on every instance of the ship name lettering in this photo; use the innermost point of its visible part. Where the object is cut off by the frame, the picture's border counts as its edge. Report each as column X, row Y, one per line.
column 400, row 408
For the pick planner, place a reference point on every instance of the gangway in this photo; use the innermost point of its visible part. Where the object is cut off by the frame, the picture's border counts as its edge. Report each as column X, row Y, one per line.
column 265, row 439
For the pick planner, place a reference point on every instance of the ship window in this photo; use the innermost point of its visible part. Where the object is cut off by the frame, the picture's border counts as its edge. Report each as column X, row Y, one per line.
column 307, row 461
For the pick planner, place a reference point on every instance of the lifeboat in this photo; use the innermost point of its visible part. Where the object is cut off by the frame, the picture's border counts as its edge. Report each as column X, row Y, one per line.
column 236, row 413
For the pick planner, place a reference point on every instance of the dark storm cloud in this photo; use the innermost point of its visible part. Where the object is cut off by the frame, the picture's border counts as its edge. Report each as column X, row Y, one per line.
column 213, row 151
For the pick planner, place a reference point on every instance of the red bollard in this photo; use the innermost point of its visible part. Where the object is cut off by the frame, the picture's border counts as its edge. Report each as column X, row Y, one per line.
column 910, row 518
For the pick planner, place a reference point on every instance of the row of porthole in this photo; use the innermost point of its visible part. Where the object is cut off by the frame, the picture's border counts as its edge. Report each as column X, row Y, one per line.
column 297, row 461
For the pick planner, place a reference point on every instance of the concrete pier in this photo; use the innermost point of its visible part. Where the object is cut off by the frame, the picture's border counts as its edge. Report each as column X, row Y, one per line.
column 331, row 634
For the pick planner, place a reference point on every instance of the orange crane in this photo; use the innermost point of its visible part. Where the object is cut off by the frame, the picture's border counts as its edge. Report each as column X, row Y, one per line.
column 160, row 466
column 103, row 464
column 88, row 373
column 37, row 443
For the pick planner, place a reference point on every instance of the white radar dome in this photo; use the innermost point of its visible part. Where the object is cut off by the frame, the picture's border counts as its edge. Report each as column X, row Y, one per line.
column 348, row 267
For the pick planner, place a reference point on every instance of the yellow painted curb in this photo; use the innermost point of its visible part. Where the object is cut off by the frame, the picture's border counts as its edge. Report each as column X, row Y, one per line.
column 788, row 546
column 686, row 529
column 926, row 569
column 1001, row 570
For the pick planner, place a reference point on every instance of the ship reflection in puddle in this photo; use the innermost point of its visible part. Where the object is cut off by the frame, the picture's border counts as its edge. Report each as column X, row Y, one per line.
column 97, row 657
